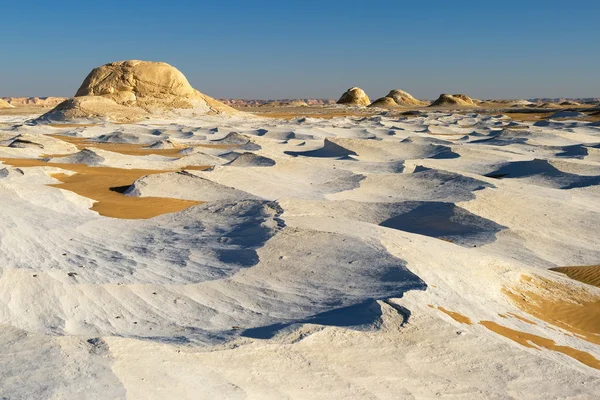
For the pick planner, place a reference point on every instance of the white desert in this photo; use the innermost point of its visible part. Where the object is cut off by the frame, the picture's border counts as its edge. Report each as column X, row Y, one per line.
column 158, row 244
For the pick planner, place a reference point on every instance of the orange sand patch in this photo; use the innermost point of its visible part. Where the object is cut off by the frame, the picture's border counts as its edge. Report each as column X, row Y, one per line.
column 521, row 318
column 536, row 342
column 586, row 274
column 96, row 182
column 571, row 308
column 456, row 316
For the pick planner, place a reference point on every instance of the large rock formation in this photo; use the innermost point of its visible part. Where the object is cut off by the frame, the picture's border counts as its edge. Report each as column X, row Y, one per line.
column 5, row 104
column 128, row 91
column 456, row 100
column 355, row 96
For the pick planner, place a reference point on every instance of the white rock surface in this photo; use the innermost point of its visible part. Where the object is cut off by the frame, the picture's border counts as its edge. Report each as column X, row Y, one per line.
column 309, row 276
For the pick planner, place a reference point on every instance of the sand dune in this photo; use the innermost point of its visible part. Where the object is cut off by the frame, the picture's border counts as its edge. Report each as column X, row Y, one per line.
column 587, row 274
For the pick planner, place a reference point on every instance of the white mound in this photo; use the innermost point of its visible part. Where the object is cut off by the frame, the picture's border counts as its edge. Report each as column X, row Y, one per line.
column 183, row 185
column 127, row 91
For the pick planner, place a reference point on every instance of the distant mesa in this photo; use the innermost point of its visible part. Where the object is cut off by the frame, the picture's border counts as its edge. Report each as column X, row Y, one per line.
column 355, row 96
column 456, row 100
column 34, row 101
column 398, row 98
column 297, row 103
column 5, row 104
column 128, row 91
column 284, row 103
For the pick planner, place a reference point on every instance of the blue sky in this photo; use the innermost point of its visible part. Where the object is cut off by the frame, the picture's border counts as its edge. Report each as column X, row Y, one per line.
column 314, row 49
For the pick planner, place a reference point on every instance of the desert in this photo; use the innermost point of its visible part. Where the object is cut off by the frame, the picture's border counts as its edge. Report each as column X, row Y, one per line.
column 299, row 201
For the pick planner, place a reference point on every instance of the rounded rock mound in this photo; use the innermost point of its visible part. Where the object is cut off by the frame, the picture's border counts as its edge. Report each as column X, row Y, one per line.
column 127, row 91
column 397, row 98
column 384, row 102
column 403, row 98
column 355, row 96
column 456, row 100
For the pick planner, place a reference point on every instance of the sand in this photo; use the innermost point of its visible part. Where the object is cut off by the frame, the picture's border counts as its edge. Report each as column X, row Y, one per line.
column 572, row 309
column 106, row 187
column 589, row 274
column 535, row 342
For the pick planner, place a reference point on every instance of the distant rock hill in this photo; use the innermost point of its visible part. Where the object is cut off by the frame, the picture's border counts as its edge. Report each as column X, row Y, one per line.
column 34, row 101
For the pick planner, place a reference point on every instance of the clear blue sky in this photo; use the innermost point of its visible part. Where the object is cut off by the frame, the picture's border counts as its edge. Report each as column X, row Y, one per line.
column 315, row 49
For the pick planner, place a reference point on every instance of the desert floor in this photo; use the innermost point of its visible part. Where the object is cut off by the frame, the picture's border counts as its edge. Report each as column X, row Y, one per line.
column 304, row 255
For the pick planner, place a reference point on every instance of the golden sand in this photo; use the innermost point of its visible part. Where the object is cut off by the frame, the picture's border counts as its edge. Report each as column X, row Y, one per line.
column 521, row 318
column 536, row 342
column 455, row 316
column 105, row 185
column 587, row 274
column 571, row 308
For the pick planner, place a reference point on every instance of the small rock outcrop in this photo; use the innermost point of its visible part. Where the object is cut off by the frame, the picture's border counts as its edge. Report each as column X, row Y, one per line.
column 355, row 96
column 456, row 100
